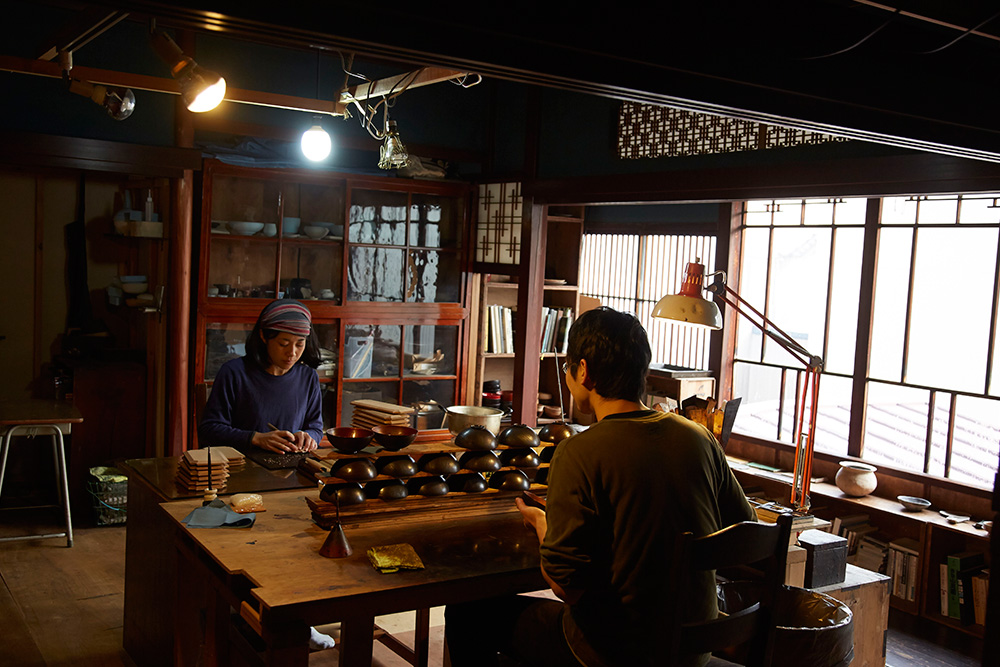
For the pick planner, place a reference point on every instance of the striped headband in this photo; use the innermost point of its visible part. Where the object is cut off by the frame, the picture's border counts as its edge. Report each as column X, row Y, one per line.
column 286, row 315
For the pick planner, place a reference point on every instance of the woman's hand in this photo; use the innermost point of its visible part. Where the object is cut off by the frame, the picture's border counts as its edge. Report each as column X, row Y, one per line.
column 533, row 518
column 304, row 442
column 281, row 442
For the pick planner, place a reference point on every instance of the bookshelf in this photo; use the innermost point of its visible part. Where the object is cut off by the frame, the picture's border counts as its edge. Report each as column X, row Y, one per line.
column 560, row 292
column 926, row 533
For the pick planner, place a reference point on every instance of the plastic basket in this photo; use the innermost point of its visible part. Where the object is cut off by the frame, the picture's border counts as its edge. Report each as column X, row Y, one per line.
column 110, row 502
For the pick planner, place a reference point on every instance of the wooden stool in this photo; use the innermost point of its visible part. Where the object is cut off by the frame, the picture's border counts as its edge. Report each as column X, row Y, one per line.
column 33, row 417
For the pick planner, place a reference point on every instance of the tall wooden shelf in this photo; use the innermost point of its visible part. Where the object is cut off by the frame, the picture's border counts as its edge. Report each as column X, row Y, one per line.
column 391, row 265
column 558, row 277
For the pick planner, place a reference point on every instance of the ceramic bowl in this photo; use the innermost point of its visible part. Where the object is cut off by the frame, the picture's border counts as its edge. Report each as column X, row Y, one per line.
column 244, row 228
column 476, row 438
column 439, row 464
column 394, row 438
column 355, row 470
column 519, row 436
column 480, row 462
column 471, row 482
column 913, row 504
column 270, row 229
column 555, row 433
column 314, row 232
column 349, row 440
column 398, row 466
column 290, row 225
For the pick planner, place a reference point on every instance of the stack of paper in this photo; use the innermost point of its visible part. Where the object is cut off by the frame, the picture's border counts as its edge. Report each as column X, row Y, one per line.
column 369, row 413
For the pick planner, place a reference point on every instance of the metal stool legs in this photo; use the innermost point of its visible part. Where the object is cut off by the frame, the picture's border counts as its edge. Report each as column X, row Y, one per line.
column 62, row 484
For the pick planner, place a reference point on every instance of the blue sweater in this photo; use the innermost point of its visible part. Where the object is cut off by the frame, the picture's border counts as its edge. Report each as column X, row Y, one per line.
column 245, row 399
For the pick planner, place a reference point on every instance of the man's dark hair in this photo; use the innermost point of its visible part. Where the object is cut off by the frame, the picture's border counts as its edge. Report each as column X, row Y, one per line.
column 256, row 348
column 616, row 349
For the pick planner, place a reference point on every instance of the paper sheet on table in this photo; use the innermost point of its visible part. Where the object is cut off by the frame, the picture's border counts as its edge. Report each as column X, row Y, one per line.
column 394, row 557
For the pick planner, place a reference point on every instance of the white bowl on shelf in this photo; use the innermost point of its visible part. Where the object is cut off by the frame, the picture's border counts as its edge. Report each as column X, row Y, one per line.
column 245, row 228
column 135, row 288
column 270, row 229
column 315, row 232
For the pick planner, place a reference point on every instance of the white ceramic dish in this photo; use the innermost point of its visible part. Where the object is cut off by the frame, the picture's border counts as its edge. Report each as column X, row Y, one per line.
column 270, row 229
column 913, row 504
column 315, row 232
column 245, row 228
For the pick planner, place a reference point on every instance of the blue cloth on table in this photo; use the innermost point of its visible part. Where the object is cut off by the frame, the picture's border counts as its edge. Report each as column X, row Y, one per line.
column 217, row 514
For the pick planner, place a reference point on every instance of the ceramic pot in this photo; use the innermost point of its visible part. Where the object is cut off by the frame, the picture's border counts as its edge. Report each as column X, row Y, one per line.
column 856, row 479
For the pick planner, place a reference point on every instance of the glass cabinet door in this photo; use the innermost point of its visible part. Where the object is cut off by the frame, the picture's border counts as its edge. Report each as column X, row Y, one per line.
column 312, row 244
column 404, row 247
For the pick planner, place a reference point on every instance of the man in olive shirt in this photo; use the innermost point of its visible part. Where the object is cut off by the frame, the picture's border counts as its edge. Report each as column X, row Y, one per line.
column 619, row 495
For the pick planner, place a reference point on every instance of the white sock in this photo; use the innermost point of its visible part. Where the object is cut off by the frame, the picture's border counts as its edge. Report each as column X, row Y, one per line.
column 318, row 641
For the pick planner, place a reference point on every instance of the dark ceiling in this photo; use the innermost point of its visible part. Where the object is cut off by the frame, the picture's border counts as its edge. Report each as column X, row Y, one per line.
column 911, row 73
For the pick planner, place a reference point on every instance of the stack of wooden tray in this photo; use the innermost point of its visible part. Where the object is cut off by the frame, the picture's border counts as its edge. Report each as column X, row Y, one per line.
column 369, row 413
column 195, row 474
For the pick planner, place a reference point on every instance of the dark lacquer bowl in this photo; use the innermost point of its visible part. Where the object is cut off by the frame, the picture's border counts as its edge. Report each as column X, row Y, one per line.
column 476, row 438
column 555, row 433
column 510, row 480
column 348, row 439
column 355, row 470
column 398, row 466
column 519, row 436
column 439, row 464
column 343, row 494
column 428, row 486
column 480, row 462
column 468, row 482
column 520, row 458
column 394, row 438
column 386, row 489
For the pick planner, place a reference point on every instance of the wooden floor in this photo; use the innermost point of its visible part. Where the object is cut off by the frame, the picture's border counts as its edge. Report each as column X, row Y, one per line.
column 63, row 606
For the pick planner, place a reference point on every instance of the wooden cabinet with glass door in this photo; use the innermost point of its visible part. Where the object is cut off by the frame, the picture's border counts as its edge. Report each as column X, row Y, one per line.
column 376, row 260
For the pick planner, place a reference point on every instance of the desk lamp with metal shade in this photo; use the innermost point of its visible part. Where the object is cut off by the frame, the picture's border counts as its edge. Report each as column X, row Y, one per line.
column 690, row 306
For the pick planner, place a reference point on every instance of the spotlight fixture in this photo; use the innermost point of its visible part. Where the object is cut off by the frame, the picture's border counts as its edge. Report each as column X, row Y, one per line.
column 316, row 142
column 201, row 89
column 392, row 154
column 118, row 102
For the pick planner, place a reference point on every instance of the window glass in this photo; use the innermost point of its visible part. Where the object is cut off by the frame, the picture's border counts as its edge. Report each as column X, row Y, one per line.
column 850, row 211
column 833, row 420
column 787, row 212
column 818, row 212
column 800, row 261
column 889, row 317
column 752, row 287
column 844, row 293
column 938, row 210
column 760, row 388
column 375, row 274
column 949, row 322
column 980, row 210
column 896, row 426
column 899, row 211
column 977, row 441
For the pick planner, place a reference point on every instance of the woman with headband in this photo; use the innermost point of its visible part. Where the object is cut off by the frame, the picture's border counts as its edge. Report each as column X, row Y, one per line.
column 275, row 383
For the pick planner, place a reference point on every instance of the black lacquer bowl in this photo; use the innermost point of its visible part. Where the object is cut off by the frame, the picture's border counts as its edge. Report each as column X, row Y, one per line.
column 348, row 439
column 394, row 438
column 476, row 438
column 518, row 436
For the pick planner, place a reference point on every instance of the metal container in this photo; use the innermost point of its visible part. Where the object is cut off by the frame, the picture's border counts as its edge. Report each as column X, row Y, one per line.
column 461, row 417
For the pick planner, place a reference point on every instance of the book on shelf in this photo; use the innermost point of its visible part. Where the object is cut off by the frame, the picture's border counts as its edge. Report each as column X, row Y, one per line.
column 872, row 553
column 961, row 566
column 903, row 567
column 980, row 593
column 841, row 522
column 943, row 587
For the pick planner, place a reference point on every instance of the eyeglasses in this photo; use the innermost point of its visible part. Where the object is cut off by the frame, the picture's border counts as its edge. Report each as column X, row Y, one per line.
column 566, row 366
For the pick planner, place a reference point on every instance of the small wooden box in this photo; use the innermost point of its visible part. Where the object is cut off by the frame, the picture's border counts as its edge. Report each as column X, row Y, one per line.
column 795, row 567
column 826, row 558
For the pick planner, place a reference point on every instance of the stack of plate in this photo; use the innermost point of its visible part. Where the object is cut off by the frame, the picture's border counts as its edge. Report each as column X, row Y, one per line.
column 369, row 413
column 194, row 473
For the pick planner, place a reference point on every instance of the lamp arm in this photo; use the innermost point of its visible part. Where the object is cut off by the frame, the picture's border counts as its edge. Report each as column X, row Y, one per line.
column 769, row 328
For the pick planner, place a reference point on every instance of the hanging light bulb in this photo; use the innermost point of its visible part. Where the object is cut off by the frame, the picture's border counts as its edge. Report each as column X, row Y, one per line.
column 118, row 102
column 316, row 142
column 392, row 154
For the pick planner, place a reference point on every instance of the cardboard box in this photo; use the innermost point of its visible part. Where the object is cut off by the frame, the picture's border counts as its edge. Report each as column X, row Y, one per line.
column 146, row 229
column 795, row 567
column 826, row 558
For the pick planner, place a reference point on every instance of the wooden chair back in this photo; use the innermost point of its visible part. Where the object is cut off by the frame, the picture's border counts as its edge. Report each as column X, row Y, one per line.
column 763, row 547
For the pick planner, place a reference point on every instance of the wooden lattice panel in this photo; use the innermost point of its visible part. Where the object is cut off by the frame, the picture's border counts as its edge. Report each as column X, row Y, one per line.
column 645, row 130
column 498, row 225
